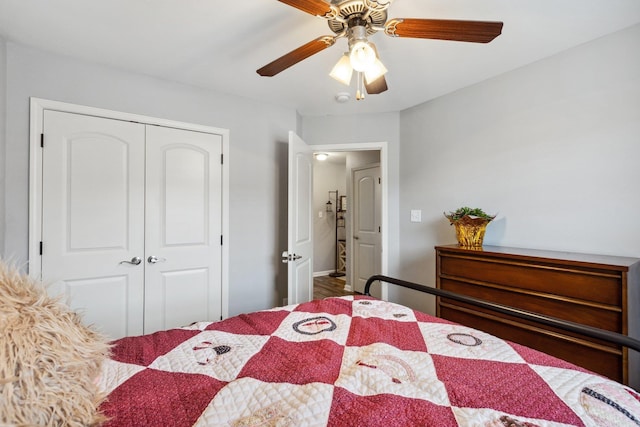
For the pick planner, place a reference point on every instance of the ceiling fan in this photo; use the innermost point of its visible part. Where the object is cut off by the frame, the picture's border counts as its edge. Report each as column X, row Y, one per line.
column 357, row 20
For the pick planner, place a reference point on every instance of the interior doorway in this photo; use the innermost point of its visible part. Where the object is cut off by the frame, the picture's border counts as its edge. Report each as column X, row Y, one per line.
column 334, row 211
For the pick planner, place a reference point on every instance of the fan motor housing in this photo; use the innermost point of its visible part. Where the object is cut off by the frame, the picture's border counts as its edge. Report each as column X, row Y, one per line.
column 351, row 9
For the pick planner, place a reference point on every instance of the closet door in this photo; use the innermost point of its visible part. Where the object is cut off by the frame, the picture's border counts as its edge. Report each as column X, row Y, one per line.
column 131, row 222
column 183, row 228
column 93, row 218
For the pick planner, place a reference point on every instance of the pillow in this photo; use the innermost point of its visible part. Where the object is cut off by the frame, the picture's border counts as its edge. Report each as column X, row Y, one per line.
column 49, row 361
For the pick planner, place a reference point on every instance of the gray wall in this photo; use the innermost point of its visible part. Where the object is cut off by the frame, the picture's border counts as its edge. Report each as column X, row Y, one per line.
column 3, row 107
column 327, row 176
column 258, row 138
column 552, row 148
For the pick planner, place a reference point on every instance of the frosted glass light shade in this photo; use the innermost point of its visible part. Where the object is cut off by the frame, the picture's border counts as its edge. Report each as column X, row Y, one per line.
column 362, row 55
column 375, row 71
column 342, row 71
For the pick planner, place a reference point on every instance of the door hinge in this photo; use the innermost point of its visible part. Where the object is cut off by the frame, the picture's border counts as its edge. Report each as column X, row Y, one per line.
column 379, row 230
column 221, row 240
column 42, row 140
column 379, row 180
column 40, row 248
column 222, row 159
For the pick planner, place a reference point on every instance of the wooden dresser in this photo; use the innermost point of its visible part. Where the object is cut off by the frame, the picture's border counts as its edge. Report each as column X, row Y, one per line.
column 595, row 290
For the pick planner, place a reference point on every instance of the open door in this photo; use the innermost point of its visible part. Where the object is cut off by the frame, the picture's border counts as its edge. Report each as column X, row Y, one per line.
column 299, row 254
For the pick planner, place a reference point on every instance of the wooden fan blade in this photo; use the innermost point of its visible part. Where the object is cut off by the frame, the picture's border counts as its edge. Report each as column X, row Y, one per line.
column 296, row 55
column 444, row 29
column 314, row 7
column 377, row 86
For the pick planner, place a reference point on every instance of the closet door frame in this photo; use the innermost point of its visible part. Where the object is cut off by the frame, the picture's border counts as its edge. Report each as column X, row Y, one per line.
column 36, row 123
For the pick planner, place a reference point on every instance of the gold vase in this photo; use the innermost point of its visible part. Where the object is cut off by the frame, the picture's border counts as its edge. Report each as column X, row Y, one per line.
column 470, row 231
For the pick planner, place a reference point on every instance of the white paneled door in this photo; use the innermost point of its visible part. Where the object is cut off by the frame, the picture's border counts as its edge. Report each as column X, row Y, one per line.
column 183, row 228
column 299, row 254
column 366, row 225
column 131, row 222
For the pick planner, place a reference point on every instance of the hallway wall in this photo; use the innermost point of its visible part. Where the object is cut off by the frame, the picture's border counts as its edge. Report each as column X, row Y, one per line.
column 327, row 176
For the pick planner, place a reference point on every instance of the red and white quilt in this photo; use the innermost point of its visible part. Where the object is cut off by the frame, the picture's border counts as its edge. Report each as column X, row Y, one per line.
column 350, row 361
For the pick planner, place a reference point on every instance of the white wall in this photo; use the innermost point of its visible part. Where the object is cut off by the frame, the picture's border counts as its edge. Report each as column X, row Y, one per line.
column 258, row 138
column 553, row 148
column 327, row 176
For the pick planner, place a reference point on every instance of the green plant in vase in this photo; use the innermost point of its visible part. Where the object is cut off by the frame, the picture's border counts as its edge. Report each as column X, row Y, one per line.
column 470, row 224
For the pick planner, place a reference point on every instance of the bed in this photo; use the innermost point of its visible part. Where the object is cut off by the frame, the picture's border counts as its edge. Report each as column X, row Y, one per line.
column 352, row 361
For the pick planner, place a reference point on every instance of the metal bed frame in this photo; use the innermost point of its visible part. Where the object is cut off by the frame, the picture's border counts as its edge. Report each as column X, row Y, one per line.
column 609, row 336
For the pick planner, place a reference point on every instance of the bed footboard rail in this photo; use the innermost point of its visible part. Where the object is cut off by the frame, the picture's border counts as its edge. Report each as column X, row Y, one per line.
column 609, row 336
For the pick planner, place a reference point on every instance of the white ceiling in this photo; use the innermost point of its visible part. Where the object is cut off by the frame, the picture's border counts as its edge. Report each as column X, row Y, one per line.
column 219, row 45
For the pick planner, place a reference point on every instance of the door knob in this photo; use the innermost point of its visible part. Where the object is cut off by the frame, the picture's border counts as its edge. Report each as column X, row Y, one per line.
column 286, row 257
column 134, row 261
column 356, row 238
column 154, row 259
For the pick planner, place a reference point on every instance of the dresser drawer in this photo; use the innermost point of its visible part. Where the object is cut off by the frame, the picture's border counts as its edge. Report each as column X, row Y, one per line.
column 579, row 311
column 595, row 286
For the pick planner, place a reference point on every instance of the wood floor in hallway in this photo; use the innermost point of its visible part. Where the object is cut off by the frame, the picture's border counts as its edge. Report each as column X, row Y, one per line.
column 327, row 286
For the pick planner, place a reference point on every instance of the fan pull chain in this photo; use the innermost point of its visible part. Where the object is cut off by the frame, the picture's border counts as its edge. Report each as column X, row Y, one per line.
column 360, row 87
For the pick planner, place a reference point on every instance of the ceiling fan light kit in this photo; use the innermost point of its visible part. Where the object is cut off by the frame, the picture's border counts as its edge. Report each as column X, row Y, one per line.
column 357, row 20
column 361, row 57
column 361, row 54
column 343, row 70
column 375, row 71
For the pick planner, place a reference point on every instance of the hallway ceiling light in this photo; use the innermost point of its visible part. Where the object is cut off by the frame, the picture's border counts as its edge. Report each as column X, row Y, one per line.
column 321, row 156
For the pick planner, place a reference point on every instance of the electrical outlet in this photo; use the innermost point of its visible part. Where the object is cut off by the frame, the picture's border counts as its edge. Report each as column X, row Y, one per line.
column 416, row 215
column 320, row 214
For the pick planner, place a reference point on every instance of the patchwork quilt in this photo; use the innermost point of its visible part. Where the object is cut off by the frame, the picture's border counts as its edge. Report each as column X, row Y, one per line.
column 350, row 361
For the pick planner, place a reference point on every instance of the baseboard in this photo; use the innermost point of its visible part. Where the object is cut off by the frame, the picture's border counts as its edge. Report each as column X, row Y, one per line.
column 322, row 273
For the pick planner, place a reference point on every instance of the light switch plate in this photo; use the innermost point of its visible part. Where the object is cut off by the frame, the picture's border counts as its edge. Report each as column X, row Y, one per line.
column 416, row 215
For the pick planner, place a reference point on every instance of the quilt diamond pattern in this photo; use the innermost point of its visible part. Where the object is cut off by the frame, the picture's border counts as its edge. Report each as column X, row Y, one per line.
column 350, row 361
